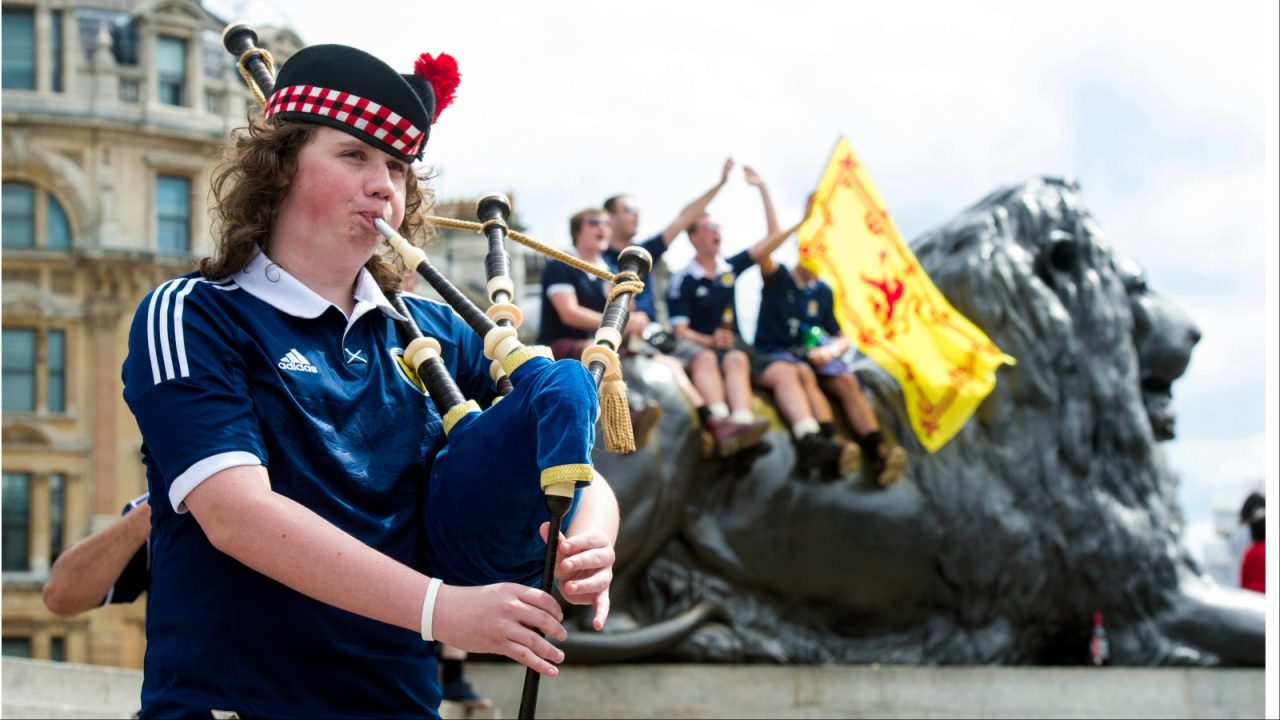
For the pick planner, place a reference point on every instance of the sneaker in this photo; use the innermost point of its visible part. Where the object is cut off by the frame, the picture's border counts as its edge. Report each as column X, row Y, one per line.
column 733, row 437
column 850, row 461
column 818, row 452
column 889, row 465
column 643, row 420
column 460, row 691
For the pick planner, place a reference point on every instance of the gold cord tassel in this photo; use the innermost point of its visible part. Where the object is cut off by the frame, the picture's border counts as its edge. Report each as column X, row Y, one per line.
column 614, row 413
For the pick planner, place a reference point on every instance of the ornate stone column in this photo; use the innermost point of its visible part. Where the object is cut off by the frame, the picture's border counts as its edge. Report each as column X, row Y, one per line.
column 102, row 317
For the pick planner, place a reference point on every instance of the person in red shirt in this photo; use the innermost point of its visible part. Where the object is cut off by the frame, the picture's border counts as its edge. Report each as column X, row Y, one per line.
column 1253, row 566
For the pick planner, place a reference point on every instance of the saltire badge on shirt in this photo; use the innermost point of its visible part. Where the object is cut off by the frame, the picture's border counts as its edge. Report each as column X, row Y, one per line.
column 407, row 373
column 726, row 279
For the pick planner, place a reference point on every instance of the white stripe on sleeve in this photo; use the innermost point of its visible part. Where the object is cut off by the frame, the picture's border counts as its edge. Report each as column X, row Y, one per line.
column 180, row 346
column 151, row 330
column 203, row 470
column 164, row 328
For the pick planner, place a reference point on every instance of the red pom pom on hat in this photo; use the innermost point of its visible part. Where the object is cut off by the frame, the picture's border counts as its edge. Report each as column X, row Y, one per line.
column 442, row 72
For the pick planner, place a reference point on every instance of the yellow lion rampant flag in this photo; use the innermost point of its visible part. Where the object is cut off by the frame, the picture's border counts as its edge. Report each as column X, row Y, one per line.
column 886, row 303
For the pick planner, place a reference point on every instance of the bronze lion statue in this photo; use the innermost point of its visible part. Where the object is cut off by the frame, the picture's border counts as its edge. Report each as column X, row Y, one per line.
column 1053, row 503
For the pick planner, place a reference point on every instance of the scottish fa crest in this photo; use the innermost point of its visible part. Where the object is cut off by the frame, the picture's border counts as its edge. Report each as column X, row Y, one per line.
column 407, row 373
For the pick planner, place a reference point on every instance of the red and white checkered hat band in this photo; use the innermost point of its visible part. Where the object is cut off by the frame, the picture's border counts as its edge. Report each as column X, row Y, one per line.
column 368, row 117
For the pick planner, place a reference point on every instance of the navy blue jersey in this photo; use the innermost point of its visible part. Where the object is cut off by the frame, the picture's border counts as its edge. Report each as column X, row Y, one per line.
column 704, row 301
column 258, row 369
column 656, row 247
column 589, row 289
column 787, row 311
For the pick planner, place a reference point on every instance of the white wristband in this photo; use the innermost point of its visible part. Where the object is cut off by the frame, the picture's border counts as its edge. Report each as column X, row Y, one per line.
column 429, row 607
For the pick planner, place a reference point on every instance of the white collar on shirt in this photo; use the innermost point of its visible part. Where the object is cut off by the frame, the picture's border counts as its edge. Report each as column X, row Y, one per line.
column 698, row 272
column 598, row 262
column 273, row 285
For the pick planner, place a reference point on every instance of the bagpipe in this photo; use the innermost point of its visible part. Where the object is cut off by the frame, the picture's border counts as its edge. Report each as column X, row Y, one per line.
column 535, row 440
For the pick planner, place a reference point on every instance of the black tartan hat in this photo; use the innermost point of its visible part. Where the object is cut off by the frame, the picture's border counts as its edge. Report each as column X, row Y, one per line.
column 355, row 92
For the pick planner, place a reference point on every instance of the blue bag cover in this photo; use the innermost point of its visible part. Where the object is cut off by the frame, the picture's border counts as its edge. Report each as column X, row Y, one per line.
column 484, row 500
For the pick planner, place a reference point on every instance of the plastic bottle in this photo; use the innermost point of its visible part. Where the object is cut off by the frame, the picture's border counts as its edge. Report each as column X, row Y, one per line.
column 726, row 319
column 1099, row 648
column 812, row 337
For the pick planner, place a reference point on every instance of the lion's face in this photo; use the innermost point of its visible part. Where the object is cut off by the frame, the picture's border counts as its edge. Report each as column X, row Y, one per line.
column 1163, row 336
column 1087, row 276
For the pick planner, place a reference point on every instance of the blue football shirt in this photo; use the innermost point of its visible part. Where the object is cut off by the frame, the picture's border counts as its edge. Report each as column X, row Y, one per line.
column 589, row 290
column 704, row 300
column 259, row 369
column 788, row 310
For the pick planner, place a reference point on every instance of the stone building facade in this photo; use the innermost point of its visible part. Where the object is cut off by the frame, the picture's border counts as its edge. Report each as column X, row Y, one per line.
column 114, row 112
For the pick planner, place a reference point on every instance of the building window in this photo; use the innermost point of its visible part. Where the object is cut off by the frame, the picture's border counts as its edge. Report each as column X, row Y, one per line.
column 57, row 513
column 56, row 369
column 58, row 648
column 171, row 68
column 17, row 647
column 17, row 524
column 19, row 372
column 173, row 214
column 19, row 54
column 57, row 228
column 34, row 218
column 23, row 358
column 19, row 210
column 55, row 50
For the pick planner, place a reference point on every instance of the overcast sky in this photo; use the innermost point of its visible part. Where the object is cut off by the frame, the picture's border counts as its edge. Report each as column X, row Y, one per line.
column 1159, row 109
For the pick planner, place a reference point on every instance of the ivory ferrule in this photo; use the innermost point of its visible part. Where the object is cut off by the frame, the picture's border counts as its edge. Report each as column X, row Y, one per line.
column 496, row 371
column 421, row 350
column 610, row 336
column 499, row 342
column 502, row 283
column 603, row 354
column 412, row 255
column 505, row 311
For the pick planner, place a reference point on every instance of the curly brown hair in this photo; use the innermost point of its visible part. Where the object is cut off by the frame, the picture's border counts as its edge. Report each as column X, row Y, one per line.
column 253, row 180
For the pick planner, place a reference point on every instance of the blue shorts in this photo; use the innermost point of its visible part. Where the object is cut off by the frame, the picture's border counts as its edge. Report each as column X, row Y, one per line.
column 835, row 368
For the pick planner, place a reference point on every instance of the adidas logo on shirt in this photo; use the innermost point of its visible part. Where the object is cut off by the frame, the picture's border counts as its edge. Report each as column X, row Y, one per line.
column 294, row 361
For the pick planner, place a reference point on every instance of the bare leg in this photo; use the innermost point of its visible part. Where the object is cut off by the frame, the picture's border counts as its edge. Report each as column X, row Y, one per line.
column 783, row 380
column 817, row 399
column 682, row 379
column 814, row 451
column 737, row 380
column 856, row 408
column 705, row 373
